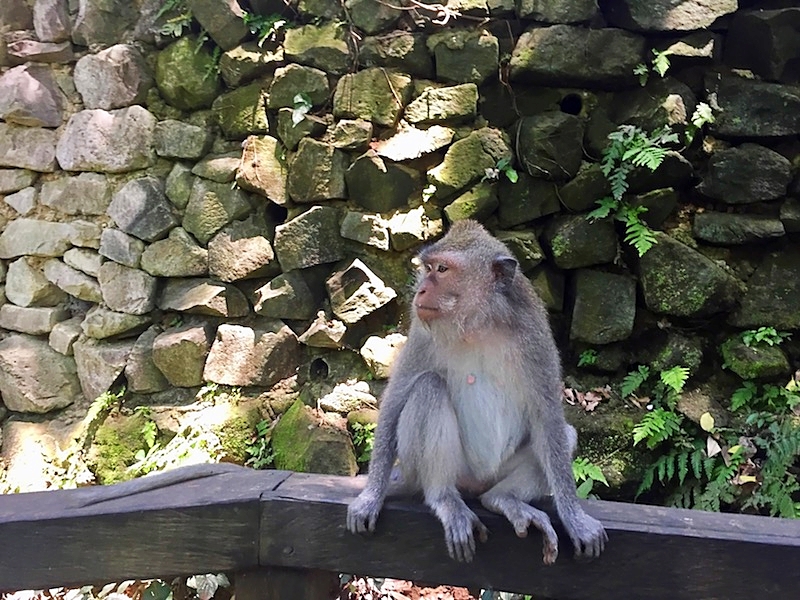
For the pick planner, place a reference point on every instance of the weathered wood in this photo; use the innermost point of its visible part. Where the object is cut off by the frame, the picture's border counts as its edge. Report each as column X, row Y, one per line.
column 200, row 526
column 273, row 583
column 653, row 552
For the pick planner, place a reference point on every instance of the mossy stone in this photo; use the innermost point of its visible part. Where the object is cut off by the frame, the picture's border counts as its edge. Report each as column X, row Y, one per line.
column 754, row 362
column 242, row 112
column 115, row 445
column 186, row 75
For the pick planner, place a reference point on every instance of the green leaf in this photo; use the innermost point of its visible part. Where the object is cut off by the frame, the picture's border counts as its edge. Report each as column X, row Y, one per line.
column 743, row 396
column 707, row 422
column 661, row 62
column 606, row 206
column 585, row 489
column 633, row 380
column 702, row 115
column 302, row 104
column 675, row 377
column 512, row 174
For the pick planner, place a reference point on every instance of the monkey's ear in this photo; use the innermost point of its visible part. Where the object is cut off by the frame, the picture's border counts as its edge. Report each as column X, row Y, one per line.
column 504, row 268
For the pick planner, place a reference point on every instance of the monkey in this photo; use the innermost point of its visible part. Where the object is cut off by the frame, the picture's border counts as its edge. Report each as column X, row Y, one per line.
column 473, row 404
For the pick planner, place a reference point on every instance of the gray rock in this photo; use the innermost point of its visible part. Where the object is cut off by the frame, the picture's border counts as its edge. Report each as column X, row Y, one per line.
column 668, row 15
column 15, row 16
column 324, row 9
column 409, row 228
column 372, row 230
column 175, row 139
column 469, row 55
column 35, row 378
column 400, row 50
column 557, row 55
column 180, row 353
column 64, row 335
column 293, row 79
column 370, row 16
column 99, row 364
column 27, row 286
column 243, row 111
column 467, row 159
column 750, row 109
column 35, row 238
column 120, row 247
column 451, row 104
column 186, row 75
column 324, row 333
column 355, row 292
column 311, row 238
column 605, row 307
column 659, row 204
column 241, row 251
column 478, row 203
column 764, row 42
column 24, row 50
column 754, row 362
column 409, row 142
column 317, row 172
column 27, row 148
column 218, row 167
column 261, row 169
column 380, row 352
column 773, row 294
column 212, row 206
column 745, row 174
column 33, row 320
column 179, row 185
column 85, row 234
column 51, row 20
column 177, row 256
column 141, row 209
column 373, row 94
column 203, row 297
column 549, row 145
column 113, row 78
column 260, row 355
column 575, row 242
column 677, row 280
column 581, row 192
column 699, row 47
column 731, row 229
column 127, row 290
column 73, row 282
column 84, row 194
column 249, row 61
column 790, row 215
column 31, row 97
column 351, row 134
column 665, row 101
column 114, row 141
column 222, row 20
column 290, row 133
column 13, row 180
column 23, row 201
column 103, row 22
column 101, row 323
column 525, row 247
column 85, row 260
column 141, row 372
column 557, row 11
column 379, row 185
column 285, row 297
column 322, row 46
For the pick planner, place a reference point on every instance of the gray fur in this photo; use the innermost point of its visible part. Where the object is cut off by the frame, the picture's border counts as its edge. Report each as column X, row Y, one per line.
column 473, row 405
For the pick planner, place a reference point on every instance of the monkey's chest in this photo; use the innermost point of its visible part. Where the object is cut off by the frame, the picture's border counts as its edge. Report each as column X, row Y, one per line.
column 491, row 423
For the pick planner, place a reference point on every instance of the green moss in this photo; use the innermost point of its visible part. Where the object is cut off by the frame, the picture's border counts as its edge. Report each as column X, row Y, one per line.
column 236, row 434
column 115, row 446
column 756, row 362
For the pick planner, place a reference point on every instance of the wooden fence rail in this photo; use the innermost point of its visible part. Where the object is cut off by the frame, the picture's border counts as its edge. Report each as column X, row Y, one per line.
column 283, row 536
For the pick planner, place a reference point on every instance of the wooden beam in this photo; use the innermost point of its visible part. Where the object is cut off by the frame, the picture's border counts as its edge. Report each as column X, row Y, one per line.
column 653, row 552
column 61, row 538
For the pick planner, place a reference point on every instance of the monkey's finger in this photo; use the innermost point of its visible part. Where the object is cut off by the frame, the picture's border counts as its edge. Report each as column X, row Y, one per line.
column 371, row 522
column 483, row 532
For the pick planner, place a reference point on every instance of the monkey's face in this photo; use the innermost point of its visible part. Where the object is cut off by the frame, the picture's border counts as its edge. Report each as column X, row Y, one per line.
column 438, row 290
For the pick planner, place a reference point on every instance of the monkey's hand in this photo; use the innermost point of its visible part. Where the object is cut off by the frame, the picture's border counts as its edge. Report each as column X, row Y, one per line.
column 362, row 513
column 458, row 533
column 587, row 534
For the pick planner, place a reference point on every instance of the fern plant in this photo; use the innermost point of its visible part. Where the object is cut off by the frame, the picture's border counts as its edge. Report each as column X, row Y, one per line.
column 657, row 426
column 630, row 147
column 586, row 474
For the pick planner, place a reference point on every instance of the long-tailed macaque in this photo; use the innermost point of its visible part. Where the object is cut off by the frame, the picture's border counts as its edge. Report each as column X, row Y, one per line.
column 473, row 404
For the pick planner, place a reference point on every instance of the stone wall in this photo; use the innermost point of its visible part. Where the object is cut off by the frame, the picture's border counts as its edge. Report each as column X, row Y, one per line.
column 222, row 209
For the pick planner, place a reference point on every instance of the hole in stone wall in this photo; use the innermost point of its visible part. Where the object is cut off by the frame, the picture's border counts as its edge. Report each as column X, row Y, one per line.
column 571, row 104
column 318, row 369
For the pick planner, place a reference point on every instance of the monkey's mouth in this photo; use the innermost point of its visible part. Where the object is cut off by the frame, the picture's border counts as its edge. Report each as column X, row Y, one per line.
column 426, row 313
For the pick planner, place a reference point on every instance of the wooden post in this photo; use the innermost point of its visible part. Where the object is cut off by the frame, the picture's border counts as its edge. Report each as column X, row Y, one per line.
column 275, row 583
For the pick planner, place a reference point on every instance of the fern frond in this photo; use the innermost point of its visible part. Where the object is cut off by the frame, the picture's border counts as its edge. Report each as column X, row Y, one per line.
column 605, row 206
column 675, row 377
column 633, row 380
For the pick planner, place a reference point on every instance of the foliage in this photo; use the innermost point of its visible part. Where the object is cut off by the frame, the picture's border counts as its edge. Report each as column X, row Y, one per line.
column 259, row 450
column 302, row 104
column 701, row 116
column 675, row 378
column 774, row 399
column 586, row 474
column 174, row 26
column 503, row 166
column 587, row 358
column 428, row 192
column 189, row 446
column 780, row 443
column 764, row 335
column 264, row 27
column 206, row 586
column 634, row 380
column 630, row 147
column 363, row 440
column 659, row 64
column 657, row 426
column 157, row 590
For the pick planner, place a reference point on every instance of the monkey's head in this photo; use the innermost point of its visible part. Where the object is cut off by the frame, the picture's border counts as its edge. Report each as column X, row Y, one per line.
column 462, row 276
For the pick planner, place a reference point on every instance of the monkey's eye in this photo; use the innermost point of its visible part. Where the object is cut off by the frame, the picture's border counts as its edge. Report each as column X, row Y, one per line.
column 441, row 268
column 428, row 268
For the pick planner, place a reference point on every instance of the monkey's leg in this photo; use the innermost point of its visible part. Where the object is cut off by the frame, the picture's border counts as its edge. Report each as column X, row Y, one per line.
column 510, row 498
column 430, row 452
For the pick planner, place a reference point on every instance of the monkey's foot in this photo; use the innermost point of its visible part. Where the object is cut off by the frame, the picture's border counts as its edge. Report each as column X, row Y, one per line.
column 362, row 513
column 458, row 534
column 587, row 534
column 522, row 516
